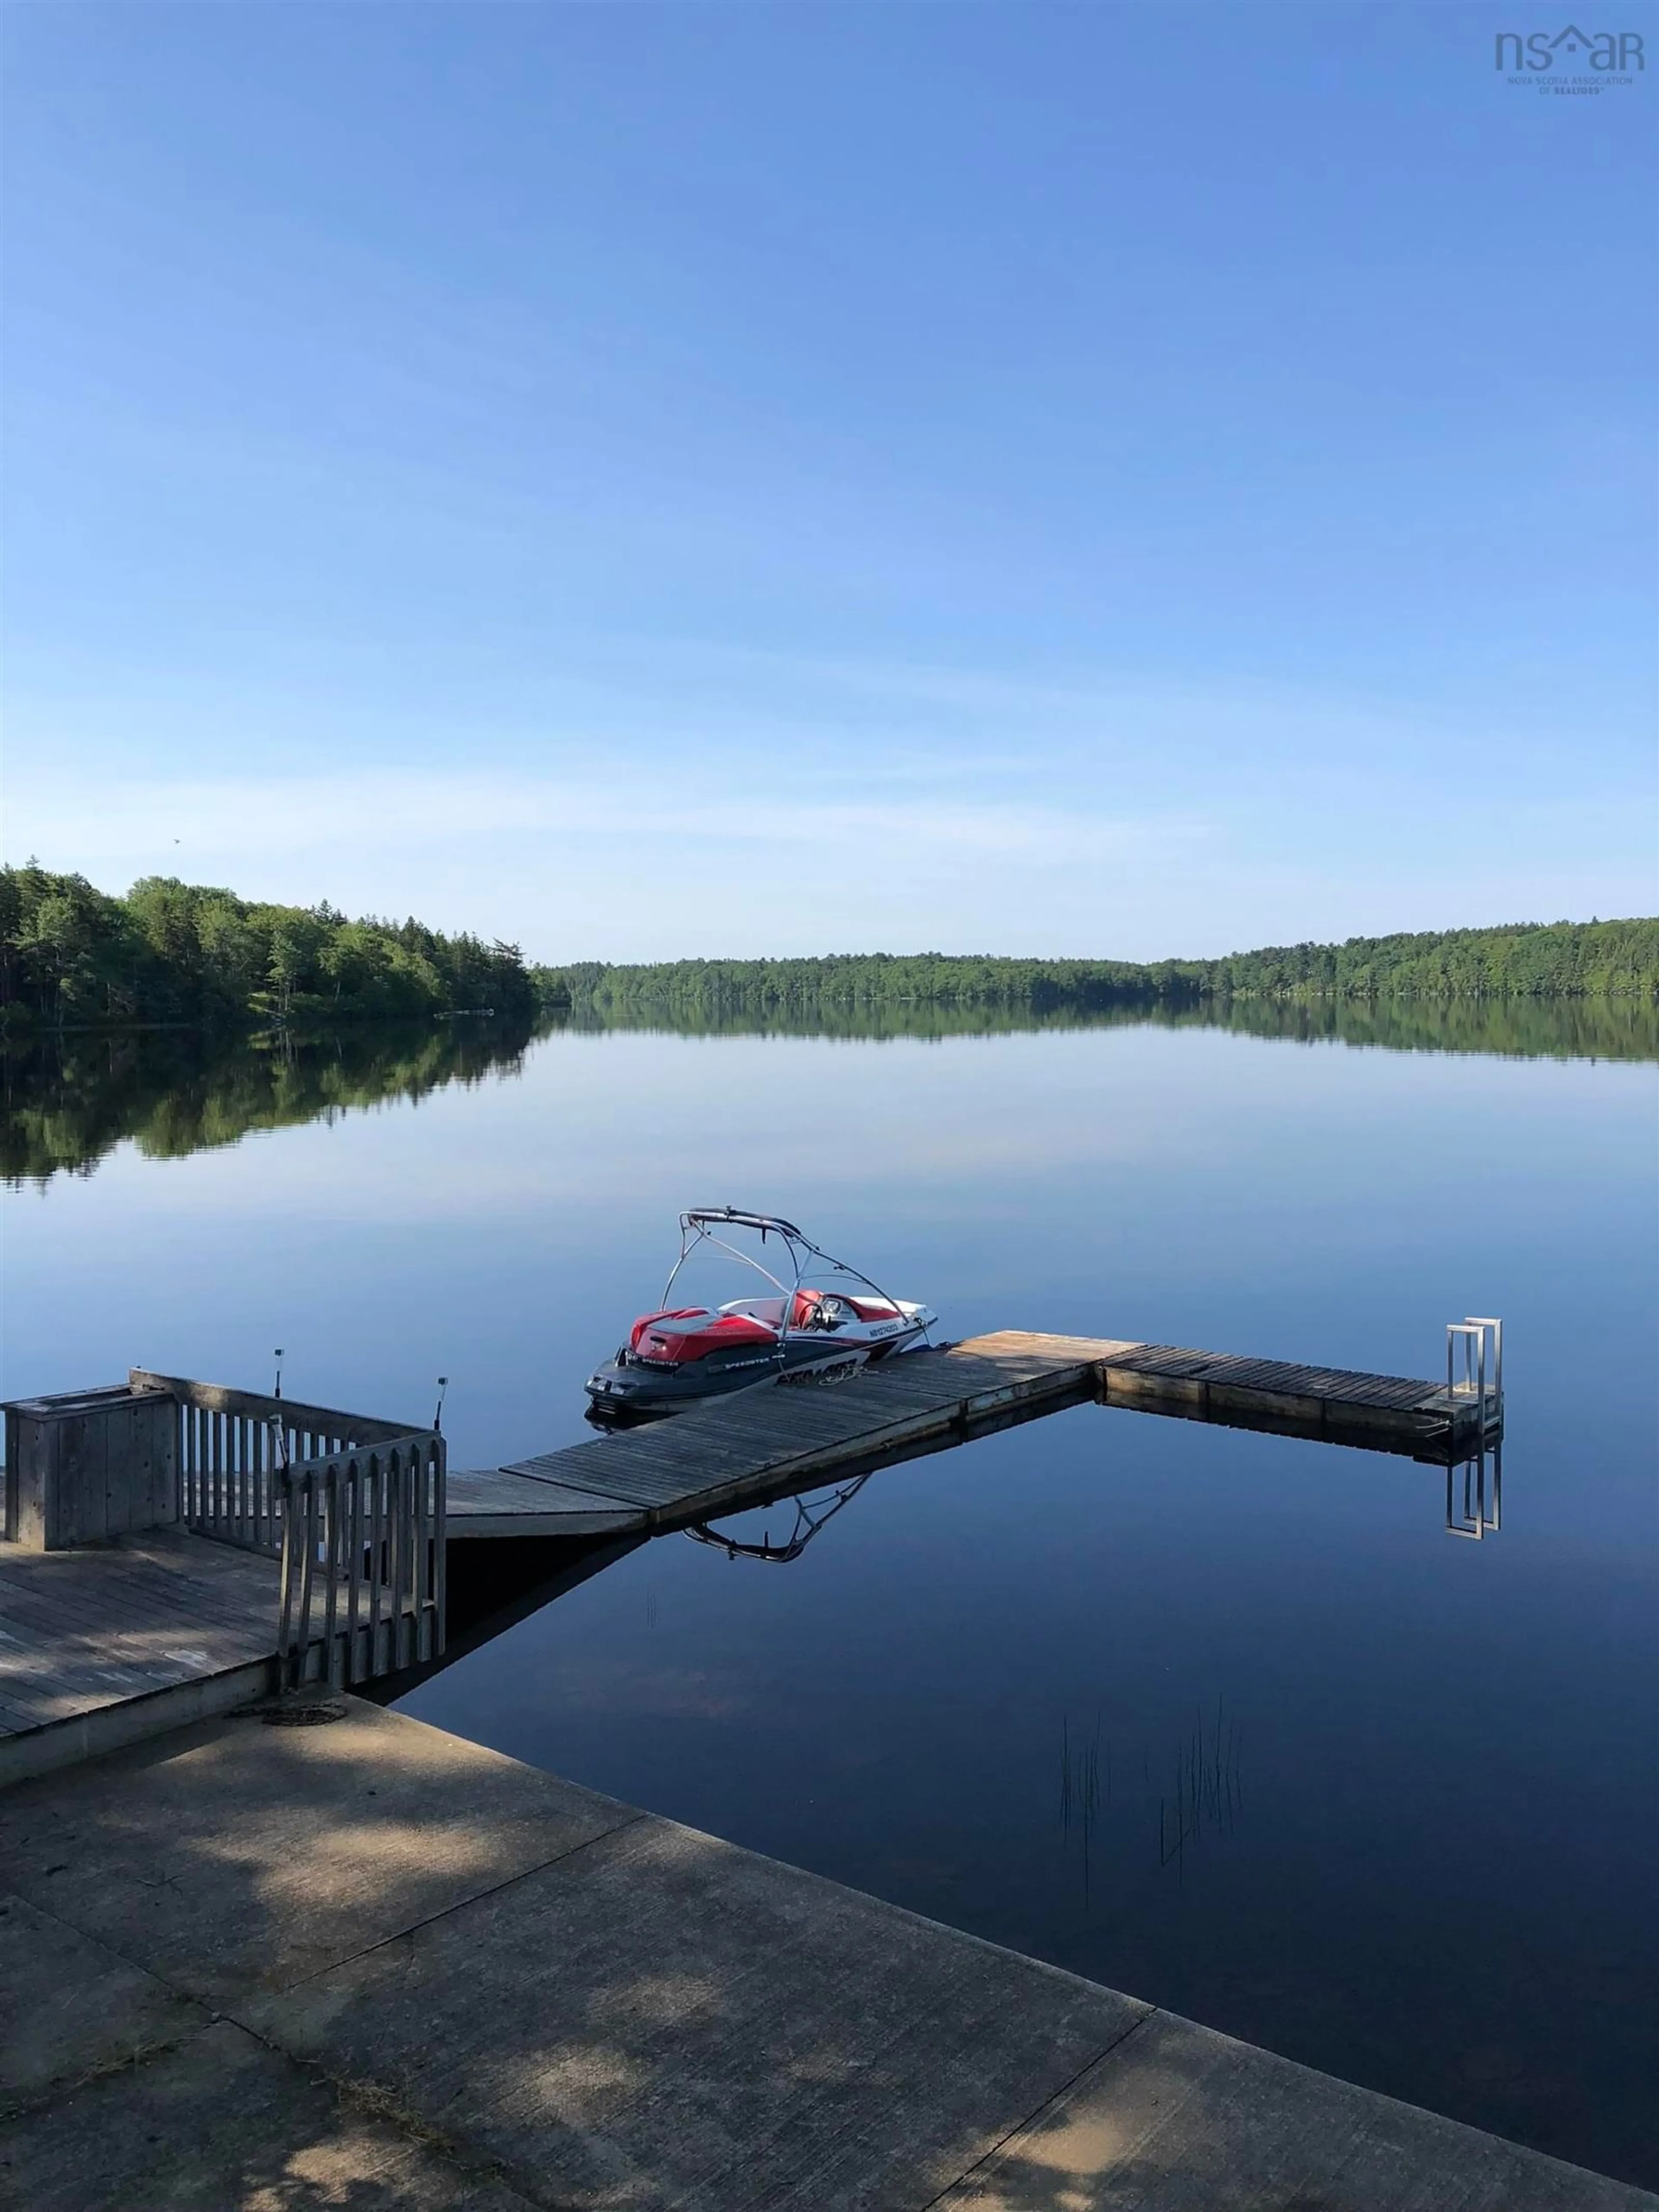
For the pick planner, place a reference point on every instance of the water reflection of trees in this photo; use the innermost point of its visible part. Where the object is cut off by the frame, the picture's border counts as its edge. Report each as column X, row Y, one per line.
column 1559, row 1028
column 67, row 1100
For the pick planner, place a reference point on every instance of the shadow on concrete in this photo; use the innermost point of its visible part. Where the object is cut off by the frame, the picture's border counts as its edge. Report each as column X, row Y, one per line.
column 366, row 1964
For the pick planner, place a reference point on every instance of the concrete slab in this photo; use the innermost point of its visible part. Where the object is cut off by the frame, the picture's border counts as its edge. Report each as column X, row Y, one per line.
column 127, row 1720
column 233, row 1856
column 69, row 2006
column 1177, row 2118
column 670, row 2021
column 220, row 2123
column 527, row 1995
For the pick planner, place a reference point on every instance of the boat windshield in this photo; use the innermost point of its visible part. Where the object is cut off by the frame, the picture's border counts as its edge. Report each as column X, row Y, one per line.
column 752, row 1240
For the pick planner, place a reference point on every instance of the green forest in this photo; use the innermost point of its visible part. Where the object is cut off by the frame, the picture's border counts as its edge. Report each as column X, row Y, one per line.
column 159, row 1018
column 176, row 954
column 1544, row 960
column 169, row 952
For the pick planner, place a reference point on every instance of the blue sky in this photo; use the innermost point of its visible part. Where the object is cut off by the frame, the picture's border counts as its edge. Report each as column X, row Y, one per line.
column 639, row 480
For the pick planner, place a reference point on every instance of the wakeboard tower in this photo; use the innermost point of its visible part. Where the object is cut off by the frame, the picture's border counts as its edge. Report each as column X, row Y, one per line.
column 800, row 1330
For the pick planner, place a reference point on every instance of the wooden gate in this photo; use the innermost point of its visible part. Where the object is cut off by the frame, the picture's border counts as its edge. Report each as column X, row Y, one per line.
column 352, row 1506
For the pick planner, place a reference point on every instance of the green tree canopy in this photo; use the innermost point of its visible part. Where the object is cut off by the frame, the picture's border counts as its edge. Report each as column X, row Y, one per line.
column 71, row 957
column 1553, row 960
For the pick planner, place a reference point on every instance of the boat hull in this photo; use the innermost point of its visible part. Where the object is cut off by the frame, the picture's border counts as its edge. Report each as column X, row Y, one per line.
column 625, row 1392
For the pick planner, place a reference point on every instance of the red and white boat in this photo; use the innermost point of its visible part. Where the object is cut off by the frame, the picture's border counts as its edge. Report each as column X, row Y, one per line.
column 819, row 1319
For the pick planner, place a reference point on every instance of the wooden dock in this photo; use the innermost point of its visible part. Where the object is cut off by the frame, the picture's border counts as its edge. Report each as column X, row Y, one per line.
column 771, row 1443
column 171, row 1548
column 143, row 1584
column 102, row 1644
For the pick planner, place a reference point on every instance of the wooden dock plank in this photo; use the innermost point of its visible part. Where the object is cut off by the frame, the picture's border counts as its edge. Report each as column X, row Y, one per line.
column 490, row 1502
column 746, row 1448
column 749, row 1443
column 100, row 1644
column 84, row 1629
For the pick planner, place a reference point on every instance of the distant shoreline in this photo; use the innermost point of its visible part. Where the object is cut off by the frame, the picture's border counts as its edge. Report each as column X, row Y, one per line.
column 1537, row 961
column 176, row 956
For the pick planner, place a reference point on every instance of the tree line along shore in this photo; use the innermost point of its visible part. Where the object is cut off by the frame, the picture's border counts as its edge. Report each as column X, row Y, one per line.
column 1553, row 960
column 175, row 953
column 186, row 954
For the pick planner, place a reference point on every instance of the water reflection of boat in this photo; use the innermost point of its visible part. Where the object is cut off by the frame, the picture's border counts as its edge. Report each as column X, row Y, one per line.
column 811, row 1515
column 678, row 1357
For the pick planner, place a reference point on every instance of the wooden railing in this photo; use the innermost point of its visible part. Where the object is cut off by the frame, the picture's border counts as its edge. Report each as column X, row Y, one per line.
column 363, row 1541
column 231, row 1442
column 352, row 1506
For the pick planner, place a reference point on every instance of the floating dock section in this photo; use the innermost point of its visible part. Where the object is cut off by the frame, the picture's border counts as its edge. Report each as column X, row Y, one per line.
column 770, row 1443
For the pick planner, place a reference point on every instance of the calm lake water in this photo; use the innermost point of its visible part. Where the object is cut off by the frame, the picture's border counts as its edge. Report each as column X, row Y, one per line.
column 1230, row 1721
